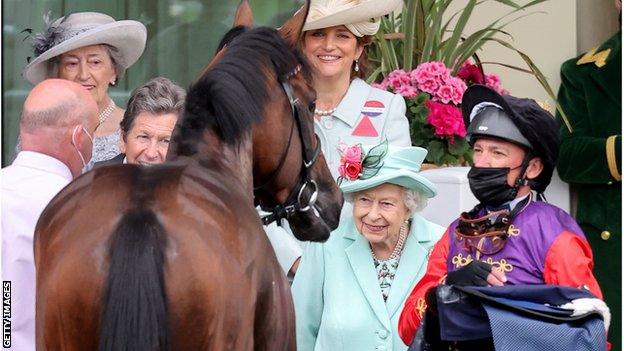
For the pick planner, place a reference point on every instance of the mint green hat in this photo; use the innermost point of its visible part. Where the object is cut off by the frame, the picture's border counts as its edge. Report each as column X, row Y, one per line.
column 399, row 165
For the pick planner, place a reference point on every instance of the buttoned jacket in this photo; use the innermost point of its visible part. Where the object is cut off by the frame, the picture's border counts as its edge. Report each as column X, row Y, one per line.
column 367, row 116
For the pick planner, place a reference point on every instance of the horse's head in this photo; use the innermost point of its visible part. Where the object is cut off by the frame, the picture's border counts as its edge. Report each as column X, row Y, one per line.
column 256, row 93
column 292, row 179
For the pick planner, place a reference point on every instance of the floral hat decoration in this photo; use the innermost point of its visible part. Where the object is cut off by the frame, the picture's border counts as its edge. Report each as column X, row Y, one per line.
column 365, row 167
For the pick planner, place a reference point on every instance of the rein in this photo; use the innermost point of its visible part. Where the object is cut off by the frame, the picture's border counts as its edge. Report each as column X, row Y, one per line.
column 296, row 200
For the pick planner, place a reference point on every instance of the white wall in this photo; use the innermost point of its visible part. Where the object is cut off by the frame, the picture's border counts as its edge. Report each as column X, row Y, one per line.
column 597, row 23
column 548, row 37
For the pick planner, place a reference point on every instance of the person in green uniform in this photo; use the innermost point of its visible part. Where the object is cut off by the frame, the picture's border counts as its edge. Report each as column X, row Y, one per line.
column 591, row 160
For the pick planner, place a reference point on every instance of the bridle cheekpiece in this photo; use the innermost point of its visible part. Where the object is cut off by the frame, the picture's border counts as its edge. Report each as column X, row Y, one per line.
column 297, row 201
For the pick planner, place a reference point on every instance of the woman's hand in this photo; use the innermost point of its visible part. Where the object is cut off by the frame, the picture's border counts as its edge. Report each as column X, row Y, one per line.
column 477, row 273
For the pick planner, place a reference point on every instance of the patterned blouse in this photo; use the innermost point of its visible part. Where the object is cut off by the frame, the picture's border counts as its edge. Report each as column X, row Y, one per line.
column 386, row 269
column 105, row 147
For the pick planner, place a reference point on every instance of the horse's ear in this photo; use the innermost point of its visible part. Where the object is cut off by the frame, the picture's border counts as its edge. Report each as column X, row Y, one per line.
column 244, row 15
column 292, row 30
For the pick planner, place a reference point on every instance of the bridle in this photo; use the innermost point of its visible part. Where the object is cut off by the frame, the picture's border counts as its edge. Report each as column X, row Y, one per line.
column 297, row 201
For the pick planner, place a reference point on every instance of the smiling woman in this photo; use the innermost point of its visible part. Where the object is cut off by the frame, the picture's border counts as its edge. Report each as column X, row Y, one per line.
column 349, row 291
column 347, row 109
column 381, row 215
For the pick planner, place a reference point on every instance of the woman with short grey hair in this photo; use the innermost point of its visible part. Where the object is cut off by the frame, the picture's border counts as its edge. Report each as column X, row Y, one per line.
column 414, row 201
column 349, row 292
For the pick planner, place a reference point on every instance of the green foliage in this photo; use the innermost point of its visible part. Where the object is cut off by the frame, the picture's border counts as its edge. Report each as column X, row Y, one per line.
column 421, row 33
column 424, row 31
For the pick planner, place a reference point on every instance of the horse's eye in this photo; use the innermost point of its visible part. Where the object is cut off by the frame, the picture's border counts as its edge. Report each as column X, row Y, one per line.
column 312, row 106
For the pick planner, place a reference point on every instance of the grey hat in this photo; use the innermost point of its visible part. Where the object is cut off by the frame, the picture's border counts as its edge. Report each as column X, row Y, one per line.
column 84, row 29
column 490, row 120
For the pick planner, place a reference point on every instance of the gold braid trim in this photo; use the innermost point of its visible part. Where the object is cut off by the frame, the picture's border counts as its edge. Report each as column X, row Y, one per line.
column 421, row 308
column 611, row 161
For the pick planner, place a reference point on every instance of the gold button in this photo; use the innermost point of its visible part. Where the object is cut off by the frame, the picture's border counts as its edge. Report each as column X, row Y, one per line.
column 605, row 235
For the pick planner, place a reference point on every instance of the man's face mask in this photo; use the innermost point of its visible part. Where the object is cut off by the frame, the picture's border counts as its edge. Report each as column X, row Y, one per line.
column 84, row 164
column 489, row 185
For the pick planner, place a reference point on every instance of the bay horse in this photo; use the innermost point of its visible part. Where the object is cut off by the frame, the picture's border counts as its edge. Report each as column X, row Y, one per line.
column 174, row 257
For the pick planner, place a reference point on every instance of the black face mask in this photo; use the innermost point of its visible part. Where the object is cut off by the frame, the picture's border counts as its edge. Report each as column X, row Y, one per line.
column 489, row 185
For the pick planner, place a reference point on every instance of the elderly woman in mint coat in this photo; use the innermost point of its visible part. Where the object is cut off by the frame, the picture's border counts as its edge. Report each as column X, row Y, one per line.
column 349, row 291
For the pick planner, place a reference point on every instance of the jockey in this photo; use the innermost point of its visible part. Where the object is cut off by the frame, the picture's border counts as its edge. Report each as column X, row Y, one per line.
column 512, row 237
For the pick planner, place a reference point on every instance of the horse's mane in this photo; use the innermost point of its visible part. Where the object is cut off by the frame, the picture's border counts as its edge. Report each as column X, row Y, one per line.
column 230, row 96
column 231, row 34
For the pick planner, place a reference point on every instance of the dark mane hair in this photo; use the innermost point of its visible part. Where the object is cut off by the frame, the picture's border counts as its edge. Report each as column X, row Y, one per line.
column 230, row 97
column 231, row 34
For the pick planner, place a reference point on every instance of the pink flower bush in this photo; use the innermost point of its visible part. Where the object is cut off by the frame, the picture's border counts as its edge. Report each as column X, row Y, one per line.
column 433, row 96
column 459, row 87
column 398, row 78
column 435, row 78
column 446, row 119
column 407, row 91
column 430, row 86
column 444, row 94
column 435, row 69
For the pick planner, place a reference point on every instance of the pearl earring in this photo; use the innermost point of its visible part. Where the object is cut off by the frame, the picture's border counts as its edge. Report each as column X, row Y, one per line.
column 357, row 67
column 113, row 82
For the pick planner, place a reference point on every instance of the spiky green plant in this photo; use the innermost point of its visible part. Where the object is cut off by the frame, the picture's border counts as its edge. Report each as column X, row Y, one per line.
column 421, row 33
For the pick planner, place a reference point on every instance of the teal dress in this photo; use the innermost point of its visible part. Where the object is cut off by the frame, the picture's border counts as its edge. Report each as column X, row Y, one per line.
column 339, row 304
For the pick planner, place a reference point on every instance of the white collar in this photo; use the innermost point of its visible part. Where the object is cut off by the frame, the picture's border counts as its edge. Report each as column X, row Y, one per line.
column 513, row 203
column 43, row 162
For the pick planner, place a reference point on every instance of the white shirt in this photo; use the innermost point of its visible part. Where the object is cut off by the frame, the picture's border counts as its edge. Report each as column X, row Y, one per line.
column 28, row 185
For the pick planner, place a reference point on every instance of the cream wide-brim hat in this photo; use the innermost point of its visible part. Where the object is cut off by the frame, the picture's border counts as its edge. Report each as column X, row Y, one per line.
column 361, row 17
column 90, row 28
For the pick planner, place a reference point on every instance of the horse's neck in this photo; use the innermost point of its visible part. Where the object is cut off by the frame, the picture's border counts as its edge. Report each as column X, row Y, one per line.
column 232, row 161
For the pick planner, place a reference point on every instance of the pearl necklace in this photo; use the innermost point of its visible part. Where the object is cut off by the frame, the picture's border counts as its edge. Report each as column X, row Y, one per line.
column 398, row 249
column 324, row 112
column 107, row 111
